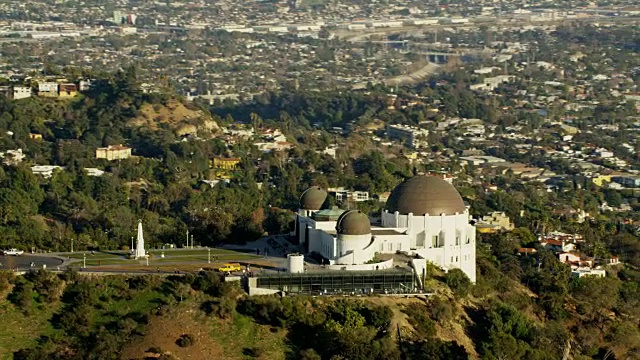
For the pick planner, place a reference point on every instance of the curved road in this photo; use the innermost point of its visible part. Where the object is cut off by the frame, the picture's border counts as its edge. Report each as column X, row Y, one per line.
column 23, row 262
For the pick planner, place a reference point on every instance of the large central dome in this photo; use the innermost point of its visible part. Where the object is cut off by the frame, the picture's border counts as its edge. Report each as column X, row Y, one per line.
column 422, row 195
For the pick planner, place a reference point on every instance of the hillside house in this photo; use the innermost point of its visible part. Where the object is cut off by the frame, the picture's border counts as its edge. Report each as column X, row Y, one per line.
column 113, row 152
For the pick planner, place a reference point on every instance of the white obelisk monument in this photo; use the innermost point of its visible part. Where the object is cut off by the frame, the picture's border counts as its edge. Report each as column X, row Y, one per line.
column 140, row 253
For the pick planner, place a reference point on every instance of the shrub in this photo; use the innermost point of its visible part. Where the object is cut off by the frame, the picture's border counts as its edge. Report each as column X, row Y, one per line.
column 458, row 282
column 6, row 277
column 254, row 352
column 223, row 308
column 22, row 296
column 185, row 340
column 155, row 350
column 441, row 309
column 309, row 354
column 420, row 320
column 47, row 285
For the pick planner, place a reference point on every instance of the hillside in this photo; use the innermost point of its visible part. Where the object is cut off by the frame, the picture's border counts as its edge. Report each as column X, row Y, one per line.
column 181, row 119
column 213, row 338
column 199, row 316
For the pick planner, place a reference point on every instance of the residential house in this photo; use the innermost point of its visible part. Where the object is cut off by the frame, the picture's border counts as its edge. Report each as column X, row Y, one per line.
column 273, row 146
column 492, row 83
column 494, row 222
column 411, row 136
column 12, row 157
column 94, row 171
column 627, row 181
column 614, row 260
column 21, row 92
column 384, row 196
column 113, row 152
column 582, row 272
column 226, row 163
column 341, row 194
column 85, row 85
column 527, row 251
column 601, row 180
column 558, row 245
column 567, row 257
column 48, row 89
column 67, row 90
column 44, row 170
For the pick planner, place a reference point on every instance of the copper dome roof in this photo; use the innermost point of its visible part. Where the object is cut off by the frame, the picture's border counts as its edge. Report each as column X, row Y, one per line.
column 313, row 198
column 353, row 222
column 422, row 195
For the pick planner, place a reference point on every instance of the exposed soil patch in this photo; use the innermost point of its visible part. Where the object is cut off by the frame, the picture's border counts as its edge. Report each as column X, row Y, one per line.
column 162, row 333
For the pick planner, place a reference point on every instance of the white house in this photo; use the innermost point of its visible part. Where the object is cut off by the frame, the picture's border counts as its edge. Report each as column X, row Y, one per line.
column 21, row 92
column 44, row 170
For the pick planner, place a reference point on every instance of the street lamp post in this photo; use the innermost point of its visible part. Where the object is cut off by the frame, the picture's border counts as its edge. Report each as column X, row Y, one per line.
column 84, row 261
column 192, row 241
column 131, row 245
column 187, row 238
column 209, row 256
column 71, row 244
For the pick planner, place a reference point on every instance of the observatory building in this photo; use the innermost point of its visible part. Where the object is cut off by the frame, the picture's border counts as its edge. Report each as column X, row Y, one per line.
column 424, row 216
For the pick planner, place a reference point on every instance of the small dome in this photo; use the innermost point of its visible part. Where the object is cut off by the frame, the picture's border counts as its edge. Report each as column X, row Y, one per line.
column 313, row 198
column 353, row 222
column 422, row 195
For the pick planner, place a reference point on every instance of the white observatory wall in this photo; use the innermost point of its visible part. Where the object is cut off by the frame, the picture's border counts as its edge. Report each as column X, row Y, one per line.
column 354, row 249
column 454, row 253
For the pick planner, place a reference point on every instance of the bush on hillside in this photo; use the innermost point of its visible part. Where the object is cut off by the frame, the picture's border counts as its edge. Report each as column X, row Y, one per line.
column 419, row 318
column 309, row 354
column 185, row 340
column 458, row 282
column 222, row 308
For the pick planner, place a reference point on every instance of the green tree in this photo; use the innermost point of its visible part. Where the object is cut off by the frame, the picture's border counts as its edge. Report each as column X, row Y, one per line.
column 458, row 282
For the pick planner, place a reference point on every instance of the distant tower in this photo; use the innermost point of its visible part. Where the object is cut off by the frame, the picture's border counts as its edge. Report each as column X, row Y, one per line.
column 140, row 253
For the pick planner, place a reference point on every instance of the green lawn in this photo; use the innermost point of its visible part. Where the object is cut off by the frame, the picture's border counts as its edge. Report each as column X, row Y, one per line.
column 197, row 252
column 19, row 331
column 96, row 256
column 204, row 258
column 241, row 333
column 103, row 259
column 108, row 261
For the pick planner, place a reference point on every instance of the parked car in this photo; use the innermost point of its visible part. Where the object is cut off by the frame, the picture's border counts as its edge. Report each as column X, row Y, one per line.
column 13, row 252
